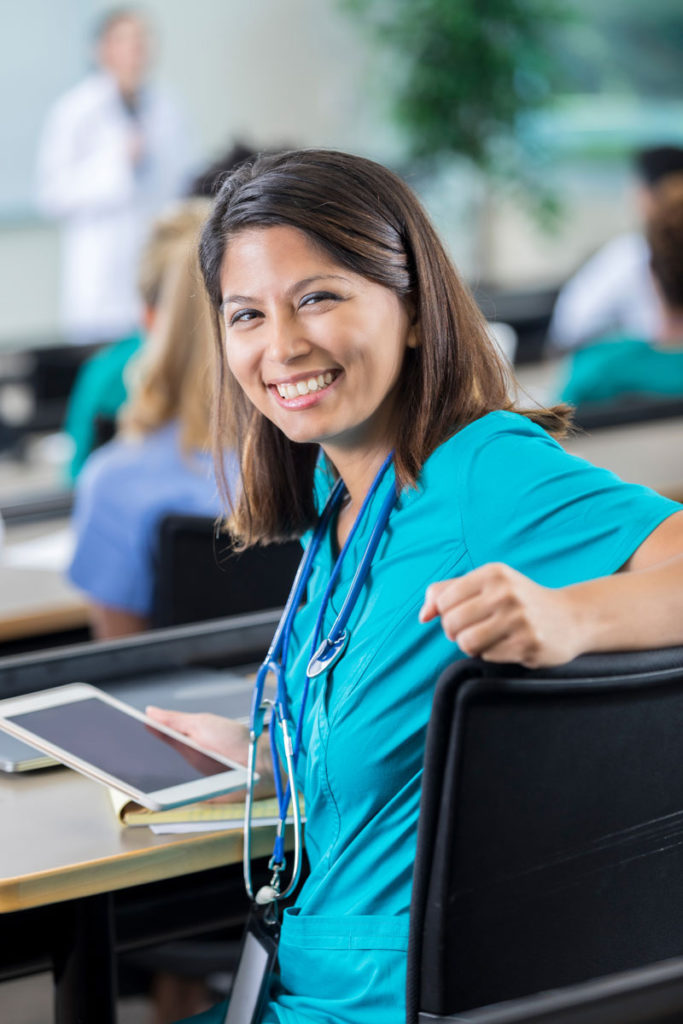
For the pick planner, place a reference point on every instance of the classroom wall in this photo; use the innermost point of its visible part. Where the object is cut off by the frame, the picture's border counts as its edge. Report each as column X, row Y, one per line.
column 268, row 72
column 299, row 73
column 29, row 281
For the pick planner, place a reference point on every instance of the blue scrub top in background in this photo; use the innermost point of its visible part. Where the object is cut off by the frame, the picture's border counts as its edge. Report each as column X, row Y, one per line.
column 500, row 490
column 124, row 491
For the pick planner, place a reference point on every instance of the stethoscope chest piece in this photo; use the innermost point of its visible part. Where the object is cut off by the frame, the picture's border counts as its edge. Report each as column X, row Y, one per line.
column 327, row 655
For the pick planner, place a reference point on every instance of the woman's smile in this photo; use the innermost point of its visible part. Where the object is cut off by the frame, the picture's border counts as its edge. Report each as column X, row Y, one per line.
column 309, row 386
column 317, row 348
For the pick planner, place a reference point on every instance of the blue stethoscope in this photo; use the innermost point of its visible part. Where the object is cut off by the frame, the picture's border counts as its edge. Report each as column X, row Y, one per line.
column 322, row 657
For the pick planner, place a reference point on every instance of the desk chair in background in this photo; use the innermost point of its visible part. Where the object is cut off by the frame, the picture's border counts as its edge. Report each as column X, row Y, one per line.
column 199, row 576
column 550, row 843
column 41, row 378
column 629, row 409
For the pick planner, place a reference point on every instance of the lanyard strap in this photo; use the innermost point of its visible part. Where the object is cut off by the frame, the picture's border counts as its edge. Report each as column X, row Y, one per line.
column 276, row 658
column 322, row 658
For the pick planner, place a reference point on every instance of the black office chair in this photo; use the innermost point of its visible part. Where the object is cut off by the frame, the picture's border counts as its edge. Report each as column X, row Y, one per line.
column 199, row 576
column 550, row 841
column 628, row 409
column 646, row 995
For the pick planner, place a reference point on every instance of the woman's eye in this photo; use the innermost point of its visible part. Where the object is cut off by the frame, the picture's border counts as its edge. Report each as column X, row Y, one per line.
column 315, row 297
column 243, row 316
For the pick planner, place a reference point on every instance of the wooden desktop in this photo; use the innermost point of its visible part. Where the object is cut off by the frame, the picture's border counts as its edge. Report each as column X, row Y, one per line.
column 64, row 855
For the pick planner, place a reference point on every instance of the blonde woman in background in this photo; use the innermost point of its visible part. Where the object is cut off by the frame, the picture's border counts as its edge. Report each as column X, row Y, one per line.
column 103, row 383
column 158, row 463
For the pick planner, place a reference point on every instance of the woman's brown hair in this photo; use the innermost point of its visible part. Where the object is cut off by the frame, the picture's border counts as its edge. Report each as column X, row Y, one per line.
column 664, row 230
column 171, row 378
column 368, row 220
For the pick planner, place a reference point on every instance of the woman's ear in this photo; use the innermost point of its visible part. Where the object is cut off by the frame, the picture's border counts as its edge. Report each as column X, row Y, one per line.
column 413, row 339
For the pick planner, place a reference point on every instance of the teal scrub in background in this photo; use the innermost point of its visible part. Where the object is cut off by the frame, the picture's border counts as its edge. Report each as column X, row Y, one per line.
column 622, row 366
column 500, row 490
column 99, row 390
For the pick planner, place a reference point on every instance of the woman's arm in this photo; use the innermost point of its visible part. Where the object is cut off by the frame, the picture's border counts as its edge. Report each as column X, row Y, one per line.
column 107, row 623
column 500, row 615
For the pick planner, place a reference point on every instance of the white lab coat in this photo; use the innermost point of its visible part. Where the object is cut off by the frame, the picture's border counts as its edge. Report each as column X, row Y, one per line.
column 612, row 293
column 87, row 179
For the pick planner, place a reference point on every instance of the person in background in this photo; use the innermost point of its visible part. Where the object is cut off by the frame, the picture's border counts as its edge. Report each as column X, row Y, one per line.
column 113, row 153
column 613, row 291
column 157, row 464
column 208, row 181
column 101, row 386
column 632, row 364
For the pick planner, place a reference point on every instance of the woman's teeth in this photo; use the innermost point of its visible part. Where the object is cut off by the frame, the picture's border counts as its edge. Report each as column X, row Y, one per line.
column 305, row 387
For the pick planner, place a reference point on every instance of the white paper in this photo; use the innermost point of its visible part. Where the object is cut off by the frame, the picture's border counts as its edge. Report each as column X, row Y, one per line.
column 208, row 826
column 52, row 552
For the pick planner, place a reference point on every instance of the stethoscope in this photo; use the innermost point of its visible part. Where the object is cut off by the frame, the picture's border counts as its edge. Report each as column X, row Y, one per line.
column 322, row 657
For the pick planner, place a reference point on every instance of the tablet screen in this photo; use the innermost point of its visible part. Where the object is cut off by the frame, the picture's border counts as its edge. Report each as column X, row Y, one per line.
column 119, row 744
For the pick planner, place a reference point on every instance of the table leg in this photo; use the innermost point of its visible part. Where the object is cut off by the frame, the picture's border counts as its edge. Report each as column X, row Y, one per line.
column 83, row 962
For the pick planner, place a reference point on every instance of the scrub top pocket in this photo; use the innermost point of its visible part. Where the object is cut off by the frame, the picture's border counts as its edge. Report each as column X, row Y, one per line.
column 340, row 970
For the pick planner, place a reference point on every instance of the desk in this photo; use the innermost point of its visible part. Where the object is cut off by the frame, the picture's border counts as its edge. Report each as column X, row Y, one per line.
column 62, row 858
column 649, row 453
column 643, row 453
column 34, row 601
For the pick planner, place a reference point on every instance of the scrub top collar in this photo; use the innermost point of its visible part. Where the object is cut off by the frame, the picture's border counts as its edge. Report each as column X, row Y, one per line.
column 329, row 551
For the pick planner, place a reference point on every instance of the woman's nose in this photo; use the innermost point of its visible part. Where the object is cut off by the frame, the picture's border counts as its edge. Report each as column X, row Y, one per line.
column 286, row 340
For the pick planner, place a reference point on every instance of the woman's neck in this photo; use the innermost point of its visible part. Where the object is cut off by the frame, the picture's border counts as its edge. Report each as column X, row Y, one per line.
column 358, row 471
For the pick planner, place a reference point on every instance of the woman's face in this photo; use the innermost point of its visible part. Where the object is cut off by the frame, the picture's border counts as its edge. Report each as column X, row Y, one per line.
column 315, row 347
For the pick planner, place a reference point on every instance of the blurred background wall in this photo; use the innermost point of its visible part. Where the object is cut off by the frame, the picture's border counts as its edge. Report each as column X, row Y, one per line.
column 309, row 72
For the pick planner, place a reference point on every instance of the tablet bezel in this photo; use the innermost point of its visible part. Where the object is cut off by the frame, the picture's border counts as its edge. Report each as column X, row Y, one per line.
column 235, row 776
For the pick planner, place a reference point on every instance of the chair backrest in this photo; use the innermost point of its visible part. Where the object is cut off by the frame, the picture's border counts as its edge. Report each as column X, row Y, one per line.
column 550, row 843
column 652, row 994
column 199, row 576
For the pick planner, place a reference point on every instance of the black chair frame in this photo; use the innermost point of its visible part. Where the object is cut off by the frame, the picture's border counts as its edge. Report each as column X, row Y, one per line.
column 539, row 900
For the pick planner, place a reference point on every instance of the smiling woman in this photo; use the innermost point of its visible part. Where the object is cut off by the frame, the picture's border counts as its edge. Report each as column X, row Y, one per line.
column 363, row 247
column 322, row 365
column 375, row 418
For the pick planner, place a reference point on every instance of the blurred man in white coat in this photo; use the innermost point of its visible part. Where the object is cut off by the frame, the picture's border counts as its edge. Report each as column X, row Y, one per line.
column 114, row 152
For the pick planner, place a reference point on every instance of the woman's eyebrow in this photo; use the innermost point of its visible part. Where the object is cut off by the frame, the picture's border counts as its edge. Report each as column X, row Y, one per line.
column 297, row 286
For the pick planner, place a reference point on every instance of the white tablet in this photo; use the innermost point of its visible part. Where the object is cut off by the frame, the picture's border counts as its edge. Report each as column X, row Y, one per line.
column 113, row 743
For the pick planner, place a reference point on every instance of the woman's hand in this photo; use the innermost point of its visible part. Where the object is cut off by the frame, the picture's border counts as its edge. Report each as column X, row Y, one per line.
column 500, row 615
column 223, row 736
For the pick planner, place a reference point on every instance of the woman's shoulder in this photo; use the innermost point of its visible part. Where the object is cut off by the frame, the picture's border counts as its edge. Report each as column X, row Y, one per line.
column 501, row 443
column 124, row 467
column 137, row 480
column 124, row 457
column 493, row 426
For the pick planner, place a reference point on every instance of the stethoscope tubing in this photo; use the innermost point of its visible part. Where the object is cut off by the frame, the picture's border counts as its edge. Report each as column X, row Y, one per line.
column 321, row 659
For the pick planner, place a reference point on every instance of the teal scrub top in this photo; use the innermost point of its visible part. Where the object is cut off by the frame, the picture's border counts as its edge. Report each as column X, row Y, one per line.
column 622, row 366
column 500, row 490
column 99, row 390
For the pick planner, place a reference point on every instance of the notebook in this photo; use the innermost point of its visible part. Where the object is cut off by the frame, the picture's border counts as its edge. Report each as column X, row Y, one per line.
column 208, row 816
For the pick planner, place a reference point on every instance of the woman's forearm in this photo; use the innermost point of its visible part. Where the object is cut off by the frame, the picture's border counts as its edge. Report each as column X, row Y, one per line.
column 499, row 614
column 630, row 610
